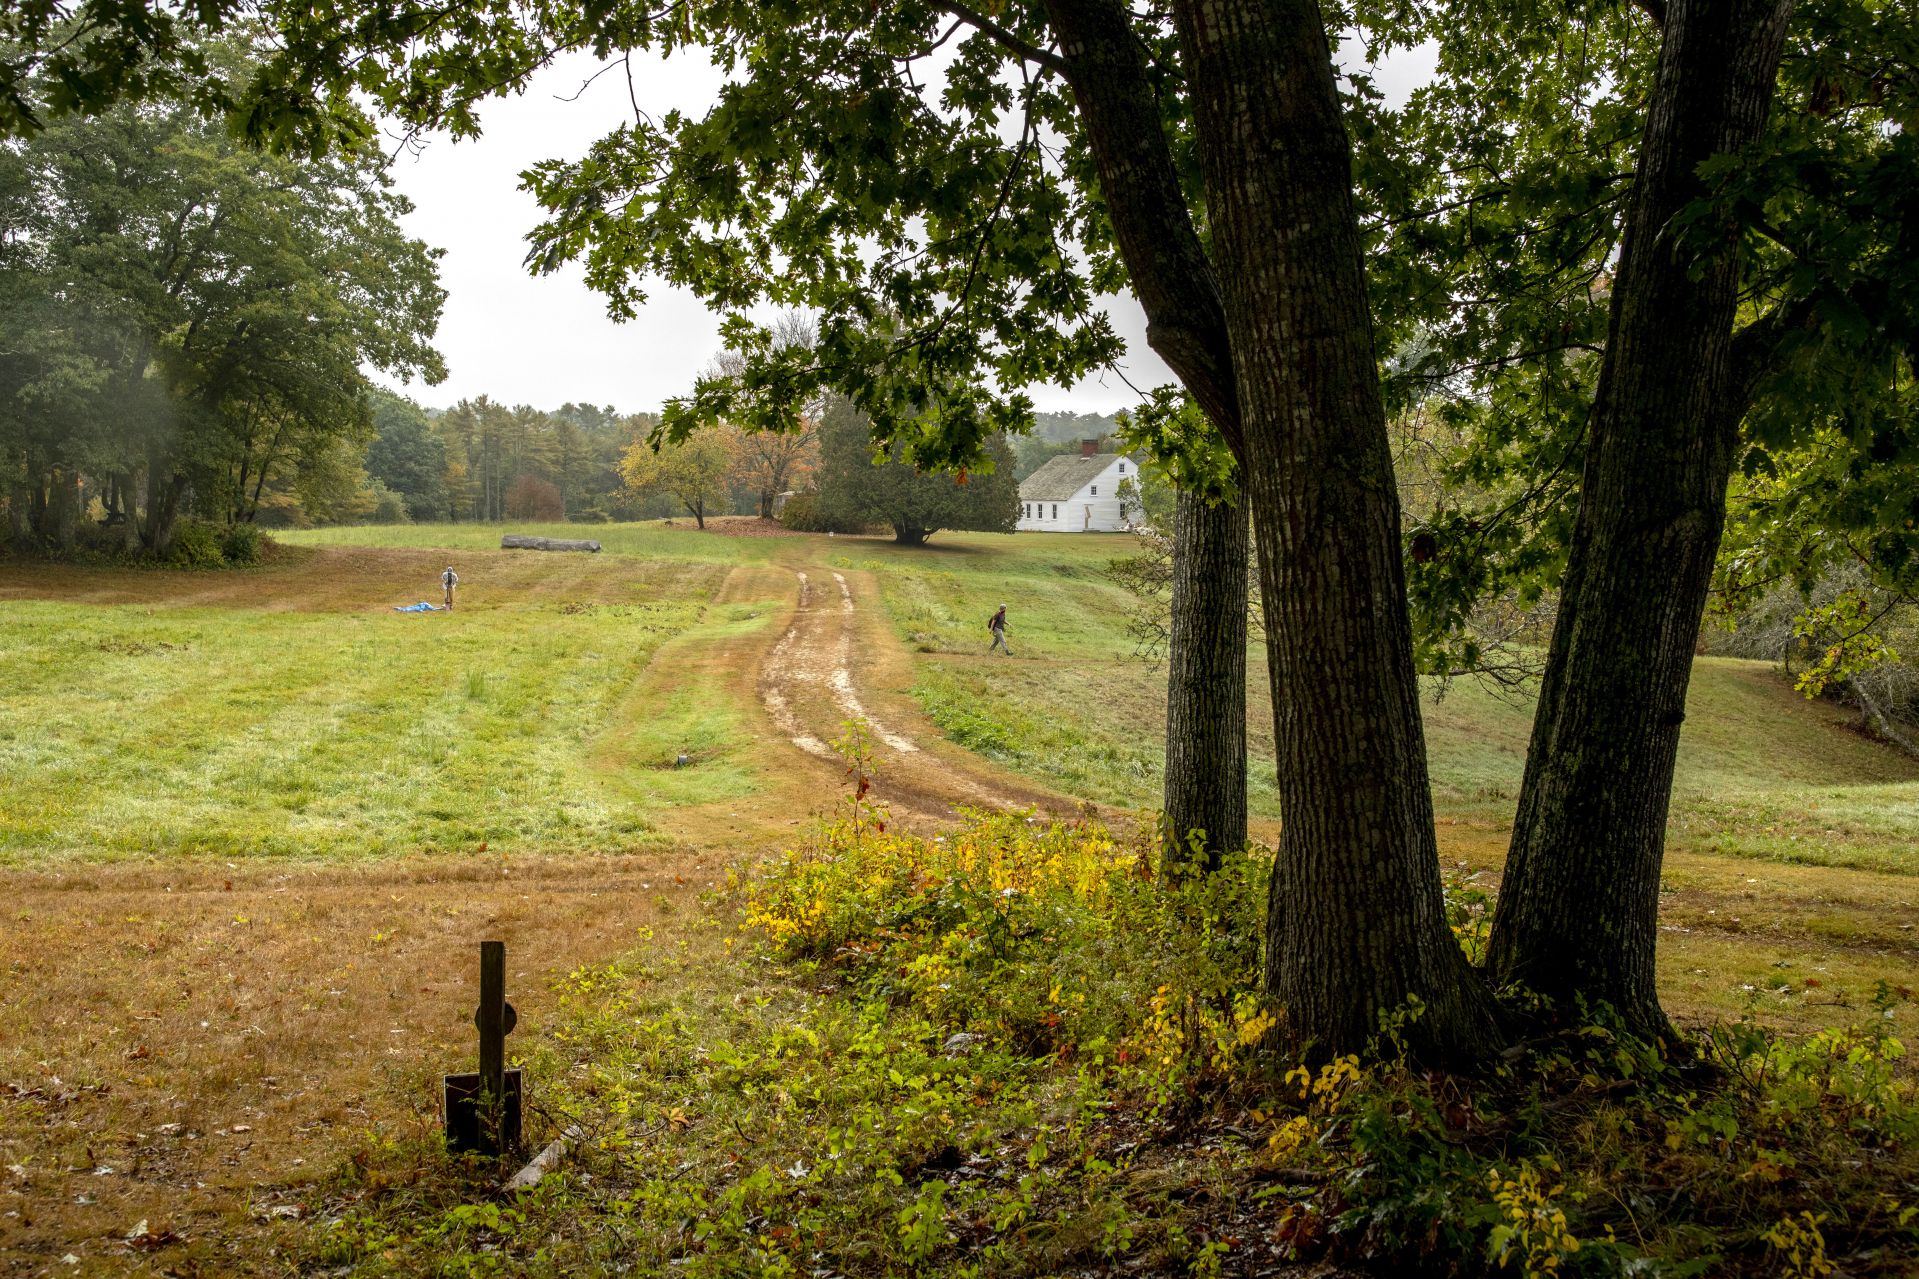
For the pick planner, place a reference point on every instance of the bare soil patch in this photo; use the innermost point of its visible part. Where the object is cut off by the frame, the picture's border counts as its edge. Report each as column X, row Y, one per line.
column 747, row 526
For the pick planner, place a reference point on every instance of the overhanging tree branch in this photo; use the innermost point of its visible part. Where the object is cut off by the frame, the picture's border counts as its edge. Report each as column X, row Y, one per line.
column 1173, row 278
column 1001, row 36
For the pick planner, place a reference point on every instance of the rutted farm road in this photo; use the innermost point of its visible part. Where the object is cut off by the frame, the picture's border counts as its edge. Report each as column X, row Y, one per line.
column 836, row 660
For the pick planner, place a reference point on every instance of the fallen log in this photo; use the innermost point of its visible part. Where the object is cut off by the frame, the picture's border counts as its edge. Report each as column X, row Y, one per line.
column 521, row 542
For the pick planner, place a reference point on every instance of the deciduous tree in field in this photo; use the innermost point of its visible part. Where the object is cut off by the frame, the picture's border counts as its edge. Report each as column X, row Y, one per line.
column 774, row 462
column 692, row 470
column 1621, row 305
column 186, row 318
column 532, row 498
column 857, row 487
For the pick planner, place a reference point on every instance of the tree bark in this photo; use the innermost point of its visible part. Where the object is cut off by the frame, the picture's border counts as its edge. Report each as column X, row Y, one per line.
column 63, row 509
column 1578, row 913
column 1205, row 782
column 130, row 496
column 911, row 534
column 163, row 512
column 1356, row 924
column 19, row 508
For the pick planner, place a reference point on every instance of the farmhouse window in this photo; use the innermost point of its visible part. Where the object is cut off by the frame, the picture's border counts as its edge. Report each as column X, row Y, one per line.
column 1095, row 490
column 1122, row 468
column 1056, row 511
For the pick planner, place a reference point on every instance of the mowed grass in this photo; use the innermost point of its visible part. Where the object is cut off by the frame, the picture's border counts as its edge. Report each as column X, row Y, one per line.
column 648, row 539
column 298, row 716
column 216, row 1035
column 252, row 824
column 1763, row 773
column 1791, row 877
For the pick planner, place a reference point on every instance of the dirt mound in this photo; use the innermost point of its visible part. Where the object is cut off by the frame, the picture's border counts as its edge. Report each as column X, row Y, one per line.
column 748, row 526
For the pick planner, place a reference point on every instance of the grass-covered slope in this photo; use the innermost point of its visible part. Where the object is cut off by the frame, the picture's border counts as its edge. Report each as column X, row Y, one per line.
column 1762, row 772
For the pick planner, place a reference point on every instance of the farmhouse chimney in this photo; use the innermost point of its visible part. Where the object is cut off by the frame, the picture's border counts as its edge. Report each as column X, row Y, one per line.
column 1089, row 448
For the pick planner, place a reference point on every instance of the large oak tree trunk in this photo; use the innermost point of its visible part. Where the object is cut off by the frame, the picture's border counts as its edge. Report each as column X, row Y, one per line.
column 1356, row 920
column 1578, row 913
column 1205, row 783
column 19, row 502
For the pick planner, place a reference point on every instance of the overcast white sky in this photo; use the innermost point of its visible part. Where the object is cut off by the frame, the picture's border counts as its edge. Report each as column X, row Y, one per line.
column 545, row 340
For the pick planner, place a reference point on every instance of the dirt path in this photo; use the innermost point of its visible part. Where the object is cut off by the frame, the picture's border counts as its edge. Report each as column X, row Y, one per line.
column 838, row 661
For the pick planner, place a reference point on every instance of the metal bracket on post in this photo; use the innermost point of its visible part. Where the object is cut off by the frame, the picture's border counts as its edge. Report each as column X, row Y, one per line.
column 483, row 1108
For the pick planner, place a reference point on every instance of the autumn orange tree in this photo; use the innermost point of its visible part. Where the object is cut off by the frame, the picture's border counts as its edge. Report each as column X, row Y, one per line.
column 770, row 463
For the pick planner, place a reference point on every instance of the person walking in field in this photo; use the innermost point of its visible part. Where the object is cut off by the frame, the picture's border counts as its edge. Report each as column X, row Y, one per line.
column 998, row 627
column 449, row 580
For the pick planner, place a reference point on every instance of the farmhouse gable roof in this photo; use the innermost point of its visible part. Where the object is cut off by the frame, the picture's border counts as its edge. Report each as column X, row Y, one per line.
column 1063, row 477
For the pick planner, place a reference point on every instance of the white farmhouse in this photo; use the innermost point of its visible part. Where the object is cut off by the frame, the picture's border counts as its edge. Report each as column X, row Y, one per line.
column 1080, row 494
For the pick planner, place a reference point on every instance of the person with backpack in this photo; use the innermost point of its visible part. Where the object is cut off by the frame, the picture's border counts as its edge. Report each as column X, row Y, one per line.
column 449, row 580
column 998, row 627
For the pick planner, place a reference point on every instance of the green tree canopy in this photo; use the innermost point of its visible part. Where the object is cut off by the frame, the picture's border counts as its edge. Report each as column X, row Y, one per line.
column 692, row 471
column 189, row 317
column 859, row 486
column 407, row 457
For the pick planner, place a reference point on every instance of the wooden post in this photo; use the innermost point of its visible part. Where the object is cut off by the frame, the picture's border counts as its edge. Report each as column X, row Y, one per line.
column 492, row 1020
column 483, row 1108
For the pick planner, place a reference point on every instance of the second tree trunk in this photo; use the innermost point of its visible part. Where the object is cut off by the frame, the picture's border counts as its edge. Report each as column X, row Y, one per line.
column 1205, row 789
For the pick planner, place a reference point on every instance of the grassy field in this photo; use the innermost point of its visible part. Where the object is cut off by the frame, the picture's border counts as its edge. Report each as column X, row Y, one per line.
column 252, row 821
column 655, row 539
column 290, row 726
column 1762, row 772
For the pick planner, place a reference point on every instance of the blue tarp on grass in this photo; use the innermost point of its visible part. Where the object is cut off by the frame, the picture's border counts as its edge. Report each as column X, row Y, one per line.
column 421, row 607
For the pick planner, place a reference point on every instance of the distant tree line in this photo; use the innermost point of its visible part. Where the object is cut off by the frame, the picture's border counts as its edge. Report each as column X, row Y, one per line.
column 481, row 460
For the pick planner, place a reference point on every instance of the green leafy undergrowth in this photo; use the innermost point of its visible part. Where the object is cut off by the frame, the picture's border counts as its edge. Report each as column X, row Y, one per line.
column 1011, row 1050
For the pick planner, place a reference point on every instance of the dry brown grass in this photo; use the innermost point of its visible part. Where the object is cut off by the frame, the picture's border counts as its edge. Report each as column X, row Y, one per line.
column 206, row 1042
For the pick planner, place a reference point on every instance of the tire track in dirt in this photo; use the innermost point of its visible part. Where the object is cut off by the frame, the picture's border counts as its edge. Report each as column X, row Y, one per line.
column 842, row 677
column 807, row 685
column 786, row 672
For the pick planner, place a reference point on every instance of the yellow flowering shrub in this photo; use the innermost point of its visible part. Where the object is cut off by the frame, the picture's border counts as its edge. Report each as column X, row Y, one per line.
column 1052, row 936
